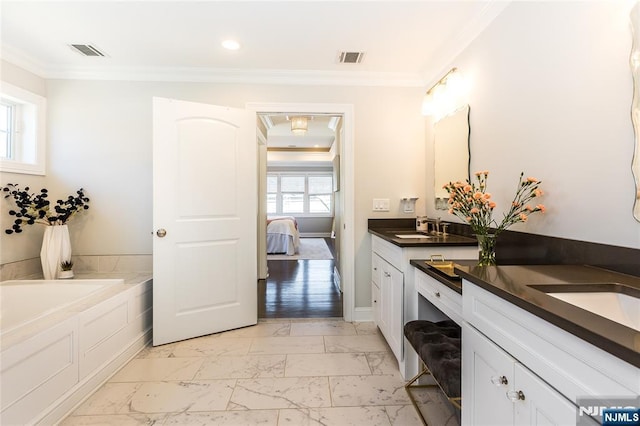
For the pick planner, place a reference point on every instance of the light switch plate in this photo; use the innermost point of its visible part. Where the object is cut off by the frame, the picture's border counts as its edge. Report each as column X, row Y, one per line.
column 380, row 204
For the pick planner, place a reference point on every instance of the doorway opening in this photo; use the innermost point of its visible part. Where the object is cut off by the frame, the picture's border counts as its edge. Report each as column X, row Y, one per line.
column 303, row 179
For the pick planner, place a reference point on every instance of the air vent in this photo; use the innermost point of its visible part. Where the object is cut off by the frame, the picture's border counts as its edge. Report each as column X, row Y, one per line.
column 86, row 50
column 350, row 57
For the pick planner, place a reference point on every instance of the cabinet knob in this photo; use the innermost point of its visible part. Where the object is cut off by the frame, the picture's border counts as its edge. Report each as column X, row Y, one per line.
column 161, row 232
column 375, row 269
column 499, row 380
column 515, row 396
column 375, row 301
column 437, row 294
column 386, row 274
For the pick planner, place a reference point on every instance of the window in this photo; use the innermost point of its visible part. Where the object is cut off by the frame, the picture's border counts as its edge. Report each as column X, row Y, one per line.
column 309, row 194
column 22, row 131
column 7, row 128
column 320, row 194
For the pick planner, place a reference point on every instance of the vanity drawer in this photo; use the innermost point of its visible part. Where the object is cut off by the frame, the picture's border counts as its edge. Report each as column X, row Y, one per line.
column 441, row 296
column 388, row 251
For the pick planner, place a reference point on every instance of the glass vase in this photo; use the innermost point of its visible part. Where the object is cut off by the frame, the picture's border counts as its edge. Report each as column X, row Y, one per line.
column 486, row 249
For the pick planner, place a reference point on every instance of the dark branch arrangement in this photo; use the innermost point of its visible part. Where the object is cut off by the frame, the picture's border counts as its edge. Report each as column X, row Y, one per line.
column 36, row 208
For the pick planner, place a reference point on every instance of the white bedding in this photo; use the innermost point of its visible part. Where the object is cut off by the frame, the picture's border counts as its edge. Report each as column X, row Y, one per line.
column 282, row 236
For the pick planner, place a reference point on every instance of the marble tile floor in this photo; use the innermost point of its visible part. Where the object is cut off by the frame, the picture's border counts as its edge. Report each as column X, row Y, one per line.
column 278, row 372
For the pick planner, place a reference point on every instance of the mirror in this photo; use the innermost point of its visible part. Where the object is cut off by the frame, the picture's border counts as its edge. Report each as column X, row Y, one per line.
column 451, row 152
column 634, row 61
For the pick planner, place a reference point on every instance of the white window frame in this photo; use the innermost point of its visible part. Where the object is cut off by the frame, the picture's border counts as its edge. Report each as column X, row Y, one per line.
column 306, row 202
column 29, row 136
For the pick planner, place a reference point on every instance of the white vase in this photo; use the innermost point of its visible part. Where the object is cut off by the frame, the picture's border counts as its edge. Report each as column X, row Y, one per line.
column 64, row 275
column 56, row 247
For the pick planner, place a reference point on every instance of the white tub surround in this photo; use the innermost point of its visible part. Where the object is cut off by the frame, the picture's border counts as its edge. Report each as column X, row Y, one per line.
column 25, row 301
column 53, row 360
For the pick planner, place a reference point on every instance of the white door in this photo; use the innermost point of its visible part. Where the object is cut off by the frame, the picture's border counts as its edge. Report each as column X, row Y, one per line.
column 204, row 218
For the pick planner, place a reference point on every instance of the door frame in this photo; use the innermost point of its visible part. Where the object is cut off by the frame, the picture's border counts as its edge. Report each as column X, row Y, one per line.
column 347, row 271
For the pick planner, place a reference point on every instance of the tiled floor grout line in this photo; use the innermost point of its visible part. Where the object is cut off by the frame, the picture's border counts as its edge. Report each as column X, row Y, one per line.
column 335, row 344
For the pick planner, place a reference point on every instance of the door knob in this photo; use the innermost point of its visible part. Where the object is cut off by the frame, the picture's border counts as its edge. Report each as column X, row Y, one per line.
column 161, row 232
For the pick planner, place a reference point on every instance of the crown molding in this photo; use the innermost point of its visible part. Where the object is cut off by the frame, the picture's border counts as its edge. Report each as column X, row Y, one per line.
column 212, row 75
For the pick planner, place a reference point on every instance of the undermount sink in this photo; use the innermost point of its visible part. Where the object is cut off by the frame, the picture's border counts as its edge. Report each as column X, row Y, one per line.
column 613, row 301
column 413, row 236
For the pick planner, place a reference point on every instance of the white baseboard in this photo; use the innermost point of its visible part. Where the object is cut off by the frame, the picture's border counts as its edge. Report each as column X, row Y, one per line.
column 362, row 314
column 315, row 234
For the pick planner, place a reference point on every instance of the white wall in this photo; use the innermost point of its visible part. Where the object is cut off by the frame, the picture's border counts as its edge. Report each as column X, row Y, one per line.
column 100, row 139
column 550, row 95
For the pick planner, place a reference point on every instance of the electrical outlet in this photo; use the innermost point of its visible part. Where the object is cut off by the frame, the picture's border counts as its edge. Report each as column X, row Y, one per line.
column 381, row 204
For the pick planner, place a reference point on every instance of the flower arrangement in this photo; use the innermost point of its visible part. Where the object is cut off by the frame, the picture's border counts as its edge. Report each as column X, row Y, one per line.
column 470, row 202
column 34, row 208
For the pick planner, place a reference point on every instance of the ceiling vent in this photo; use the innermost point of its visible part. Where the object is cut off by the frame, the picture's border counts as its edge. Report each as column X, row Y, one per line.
column 350, row 57
column 86, row 50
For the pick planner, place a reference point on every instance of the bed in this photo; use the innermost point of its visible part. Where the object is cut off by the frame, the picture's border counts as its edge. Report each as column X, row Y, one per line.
column 282, row 235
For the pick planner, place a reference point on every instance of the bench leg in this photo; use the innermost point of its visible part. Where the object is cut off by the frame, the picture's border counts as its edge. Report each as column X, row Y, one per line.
column 409, row 385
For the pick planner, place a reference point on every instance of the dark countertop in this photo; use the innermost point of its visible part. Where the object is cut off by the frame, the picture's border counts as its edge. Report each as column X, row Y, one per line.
column 513, row 283
column 389, row 234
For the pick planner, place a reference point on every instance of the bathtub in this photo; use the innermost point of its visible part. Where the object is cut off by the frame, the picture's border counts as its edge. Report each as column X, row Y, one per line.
column 61, row 339
column 24, row 301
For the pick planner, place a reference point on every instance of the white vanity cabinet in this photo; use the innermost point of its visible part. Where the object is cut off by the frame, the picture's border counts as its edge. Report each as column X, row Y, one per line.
column 498, row 390
column 393, row 291
column 388, row 285
column 507, row 350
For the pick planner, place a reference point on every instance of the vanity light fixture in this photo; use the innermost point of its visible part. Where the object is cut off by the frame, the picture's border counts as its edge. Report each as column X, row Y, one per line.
column 299, row 125
column 445, row 96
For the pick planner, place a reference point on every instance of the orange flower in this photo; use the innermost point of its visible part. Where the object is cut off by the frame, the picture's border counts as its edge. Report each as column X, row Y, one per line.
column 538, row 192
column 492, row 205
column 474, row 210
column 541, row 207
column 468, row 218
column 528, row 207
column 532, row 179
column 477, row 195
column 486, row 196
column 523, row 217
column 467, row 188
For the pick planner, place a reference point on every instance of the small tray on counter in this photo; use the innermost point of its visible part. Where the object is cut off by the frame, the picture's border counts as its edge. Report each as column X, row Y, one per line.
column 437, row 262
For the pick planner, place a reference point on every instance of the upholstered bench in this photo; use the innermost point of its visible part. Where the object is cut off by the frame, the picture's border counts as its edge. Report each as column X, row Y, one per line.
column 438, row 345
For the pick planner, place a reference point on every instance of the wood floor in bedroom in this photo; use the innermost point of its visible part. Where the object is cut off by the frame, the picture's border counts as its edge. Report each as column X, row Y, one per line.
column 299, row 289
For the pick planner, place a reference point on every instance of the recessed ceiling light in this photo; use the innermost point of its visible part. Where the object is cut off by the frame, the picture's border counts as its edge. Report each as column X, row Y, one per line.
column 231, row 44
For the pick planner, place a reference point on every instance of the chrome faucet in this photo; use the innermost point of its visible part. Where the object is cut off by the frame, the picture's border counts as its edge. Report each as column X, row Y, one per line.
column 435, row 226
